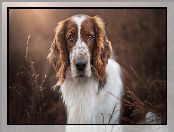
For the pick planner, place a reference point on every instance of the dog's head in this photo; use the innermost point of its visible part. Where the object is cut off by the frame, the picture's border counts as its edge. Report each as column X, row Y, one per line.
column 81, row 48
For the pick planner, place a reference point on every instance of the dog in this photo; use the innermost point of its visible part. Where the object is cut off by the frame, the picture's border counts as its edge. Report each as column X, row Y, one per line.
column 88, row 75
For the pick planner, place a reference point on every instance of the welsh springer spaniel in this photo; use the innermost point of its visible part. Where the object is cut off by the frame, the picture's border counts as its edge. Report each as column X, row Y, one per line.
column 89, row 77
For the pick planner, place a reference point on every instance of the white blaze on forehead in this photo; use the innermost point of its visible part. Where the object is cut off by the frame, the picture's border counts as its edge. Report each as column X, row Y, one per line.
column 78, row 20
column 80, row 47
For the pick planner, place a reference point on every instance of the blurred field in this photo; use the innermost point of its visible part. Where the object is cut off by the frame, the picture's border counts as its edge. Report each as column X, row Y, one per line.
column 138, row 38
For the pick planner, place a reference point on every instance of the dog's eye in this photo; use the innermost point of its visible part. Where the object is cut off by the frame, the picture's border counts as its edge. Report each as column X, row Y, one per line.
column 90, row 37
column 70, row 38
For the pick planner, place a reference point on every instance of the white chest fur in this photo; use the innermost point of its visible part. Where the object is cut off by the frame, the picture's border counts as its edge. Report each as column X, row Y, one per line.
column 87, row 104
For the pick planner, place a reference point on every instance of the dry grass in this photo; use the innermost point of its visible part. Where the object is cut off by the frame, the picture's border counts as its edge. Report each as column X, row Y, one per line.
column 150, row 96
column 28, row 91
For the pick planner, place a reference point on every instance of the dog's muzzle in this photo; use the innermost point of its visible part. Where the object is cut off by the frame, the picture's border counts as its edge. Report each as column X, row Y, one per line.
column 80, row 63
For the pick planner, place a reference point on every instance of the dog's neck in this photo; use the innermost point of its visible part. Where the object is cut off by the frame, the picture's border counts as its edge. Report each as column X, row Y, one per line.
column 79, row 96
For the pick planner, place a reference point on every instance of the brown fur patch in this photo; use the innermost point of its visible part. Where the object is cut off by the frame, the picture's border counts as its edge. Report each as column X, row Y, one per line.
column 58, row 52
column 88, row 34
column 71, row 32
column 102, row 50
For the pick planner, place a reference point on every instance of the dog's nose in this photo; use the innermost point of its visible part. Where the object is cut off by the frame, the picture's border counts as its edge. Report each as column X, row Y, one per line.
column 81, row 63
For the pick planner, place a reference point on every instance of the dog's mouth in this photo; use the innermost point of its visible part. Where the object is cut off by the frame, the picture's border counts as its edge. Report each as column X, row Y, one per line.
column 78, row 74
column 71, row 73
column 81, row 74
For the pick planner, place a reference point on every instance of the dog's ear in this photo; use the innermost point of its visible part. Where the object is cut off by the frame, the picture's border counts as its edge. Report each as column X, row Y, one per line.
column 58, row 55
column 102, row 50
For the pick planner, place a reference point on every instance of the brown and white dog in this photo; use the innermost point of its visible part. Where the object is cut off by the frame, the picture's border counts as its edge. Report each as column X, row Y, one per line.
column 89, row 77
